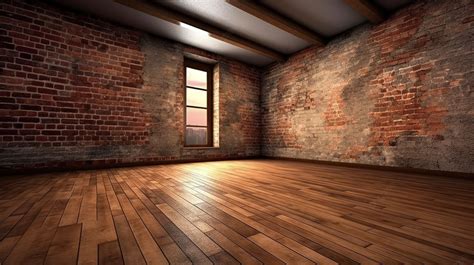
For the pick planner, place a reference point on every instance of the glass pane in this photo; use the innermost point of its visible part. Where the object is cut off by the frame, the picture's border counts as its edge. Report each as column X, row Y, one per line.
column 195, row 97
column 196, row 78
column 196, row 116
column 196, row 136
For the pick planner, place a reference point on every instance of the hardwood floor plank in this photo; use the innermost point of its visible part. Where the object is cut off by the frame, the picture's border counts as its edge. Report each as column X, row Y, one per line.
column 8, row 224
column 128, row 245
column 33, row 245
column 110, row 254
column 65, row 245
column 243, row 215
column 105, row 223
column 236, row 212
column 150, row 250
column 182, row 241
column 6, row 246
column 171, row 250
column 278, row 250
column 71, row 213
column 243, row 242
column 305, row 251
column 32, row 214
column 199, row 238
column 223, row 258
column 88, row 218
column 237, row 252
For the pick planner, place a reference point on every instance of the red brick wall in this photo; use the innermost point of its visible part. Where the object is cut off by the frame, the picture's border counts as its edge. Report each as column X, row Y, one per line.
column 77, row 90
column 396, row 94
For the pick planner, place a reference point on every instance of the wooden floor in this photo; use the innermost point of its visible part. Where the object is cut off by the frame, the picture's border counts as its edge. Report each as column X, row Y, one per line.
column 248, row 211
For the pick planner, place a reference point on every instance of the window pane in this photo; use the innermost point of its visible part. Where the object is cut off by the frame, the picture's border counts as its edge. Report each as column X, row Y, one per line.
column 196, row 136
column 196, row 116
column 196, row 78
column 195, row 97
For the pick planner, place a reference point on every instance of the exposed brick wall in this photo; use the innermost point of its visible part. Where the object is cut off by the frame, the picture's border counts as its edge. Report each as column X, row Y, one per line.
column 77, row 90
column 396, row 94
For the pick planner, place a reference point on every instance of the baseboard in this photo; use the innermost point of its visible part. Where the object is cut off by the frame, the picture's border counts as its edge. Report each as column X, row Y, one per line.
column 376, row 167
column 91, row 166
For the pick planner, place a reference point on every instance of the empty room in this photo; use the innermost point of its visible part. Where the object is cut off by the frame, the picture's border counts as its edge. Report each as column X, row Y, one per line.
column 236, row 132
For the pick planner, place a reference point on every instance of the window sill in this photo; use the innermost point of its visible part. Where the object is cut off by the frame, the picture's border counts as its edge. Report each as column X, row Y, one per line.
column 199, row 147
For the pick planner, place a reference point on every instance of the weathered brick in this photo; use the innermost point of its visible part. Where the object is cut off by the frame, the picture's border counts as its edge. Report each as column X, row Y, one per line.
column 99, row 96
column 371, row 96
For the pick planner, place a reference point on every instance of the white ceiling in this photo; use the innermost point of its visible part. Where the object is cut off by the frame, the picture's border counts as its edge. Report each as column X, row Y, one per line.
column 232, row 19
column 327, row 17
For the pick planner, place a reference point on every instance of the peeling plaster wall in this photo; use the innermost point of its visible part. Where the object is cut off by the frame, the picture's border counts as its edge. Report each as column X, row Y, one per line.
column 395, row 94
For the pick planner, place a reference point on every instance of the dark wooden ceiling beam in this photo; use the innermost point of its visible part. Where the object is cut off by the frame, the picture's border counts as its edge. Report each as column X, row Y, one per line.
column 277, row 20
column 172, row 16
column 367, row 9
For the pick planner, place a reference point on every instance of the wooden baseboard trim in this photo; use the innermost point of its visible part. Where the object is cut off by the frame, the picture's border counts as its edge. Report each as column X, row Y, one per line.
column 383, row 168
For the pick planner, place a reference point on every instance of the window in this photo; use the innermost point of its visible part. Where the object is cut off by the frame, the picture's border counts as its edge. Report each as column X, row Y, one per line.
column 198, row 103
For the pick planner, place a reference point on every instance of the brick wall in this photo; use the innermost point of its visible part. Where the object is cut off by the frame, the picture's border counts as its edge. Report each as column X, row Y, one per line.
column 76, row 90
column 395, row 94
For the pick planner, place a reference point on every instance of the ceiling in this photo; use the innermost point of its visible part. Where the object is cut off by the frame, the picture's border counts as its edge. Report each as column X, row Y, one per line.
column 327, row 18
